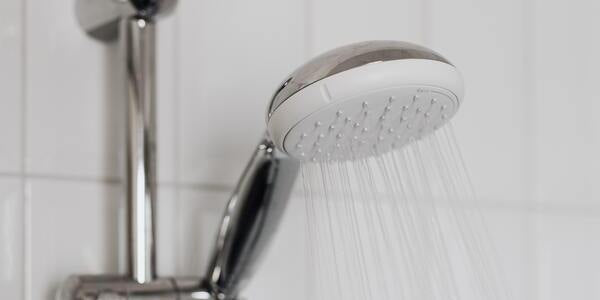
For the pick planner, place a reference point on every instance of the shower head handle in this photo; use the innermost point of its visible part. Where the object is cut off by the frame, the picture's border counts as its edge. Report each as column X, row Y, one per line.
column 251, row 217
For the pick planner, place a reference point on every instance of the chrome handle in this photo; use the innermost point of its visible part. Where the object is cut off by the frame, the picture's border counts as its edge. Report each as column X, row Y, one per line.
column 250, row 218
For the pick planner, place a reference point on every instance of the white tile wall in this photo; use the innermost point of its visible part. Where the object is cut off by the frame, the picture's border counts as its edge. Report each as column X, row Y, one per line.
column 189, row 225
column 485, row 40
column 232, row 55
column 75, row 227
column 567, row 72
column 568, row 264
column 73, row 118
column 334, row 23
column 527, row 128
column 11, row 235
column 11, row 87
column 512, row 233
column 167, row 99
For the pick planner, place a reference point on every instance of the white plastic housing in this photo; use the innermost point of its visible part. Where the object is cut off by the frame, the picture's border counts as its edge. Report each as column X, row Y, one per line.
column 366, row 110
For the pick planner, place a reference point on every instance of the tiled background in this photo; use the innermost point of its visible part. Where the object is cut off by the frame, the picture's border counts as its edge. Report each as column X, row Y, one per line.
column 528, row 129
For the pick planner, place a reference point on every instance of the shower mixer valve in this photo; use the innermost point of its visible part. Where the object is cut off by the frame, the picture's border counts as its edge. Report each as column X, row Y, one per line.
column 355, row 101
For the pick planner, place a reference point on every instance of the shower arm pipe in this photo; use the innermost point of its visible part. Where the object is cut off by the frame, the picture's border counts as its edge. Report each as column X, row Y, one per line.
column 132, row 24
column 138, row 38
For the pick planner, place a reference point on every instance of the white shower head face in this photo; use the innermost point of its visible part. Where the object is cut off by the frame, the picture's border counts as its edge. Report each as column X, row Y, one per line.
column 368, row 108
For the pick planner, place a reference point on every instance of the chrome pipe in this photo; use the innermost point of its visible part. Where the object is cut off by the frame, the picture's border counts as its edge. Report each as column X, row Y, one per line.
column 139, row 42
column 251, row 217
column 132, row 22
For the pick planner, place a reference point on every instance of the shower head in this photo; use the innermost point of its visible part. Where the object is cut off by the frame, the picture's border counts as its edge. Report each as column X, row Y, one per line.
column 363, row 99
column 353, row 101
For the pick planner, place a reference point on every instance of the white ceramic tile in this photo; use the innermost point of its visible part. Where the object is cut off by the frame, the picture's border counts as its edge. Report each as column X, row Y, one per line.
column 232, row 56
column 73, row 113
column 566, row 77
column 512, row 236
column 188, row 226
column 486, row 41
column 75, row 229
column 569, row 267
column 166, row 231
column 10, row 85
column 335, row 23
column 75, row 116
column 11, row 234
column 282, row 273
column 166, row 98
column 199, row 214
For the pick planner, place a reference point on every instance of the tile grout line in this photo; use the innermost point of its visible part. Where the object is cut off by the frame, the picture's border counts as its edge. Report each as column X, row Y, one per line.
column 176, row 136
column 113, row 180
column 530, row 145
column 24, row 182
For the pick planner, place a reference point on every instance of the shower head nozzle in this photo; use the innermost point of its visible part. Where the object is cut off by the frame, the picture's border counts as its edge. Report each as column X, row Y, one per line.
column 363, row 99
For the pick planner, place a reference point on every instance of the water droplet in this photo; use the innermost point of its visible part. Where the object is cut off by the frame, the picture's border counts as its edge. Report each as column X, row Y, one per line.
column 434, row 101
column 365, row 105
column 331, row 128
column 339, row 136
column 391, row 130
column 388, row 108
column 444, row 107
column 415, row 98
column 339, row 113
column 318, row 124
column 348, row 120
column 364, row 130
column 427, row 114
column 419, row 110
column 303, row 135
column 382, row 118
column 391, row 99
column 404, row 108
column 356, row 125
column 321, row 136
column 298, row 146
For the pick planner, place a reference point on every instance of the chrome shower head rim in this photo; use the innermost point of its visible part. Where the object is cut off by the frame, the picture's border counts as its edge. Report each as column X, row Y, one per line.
column 345, row 58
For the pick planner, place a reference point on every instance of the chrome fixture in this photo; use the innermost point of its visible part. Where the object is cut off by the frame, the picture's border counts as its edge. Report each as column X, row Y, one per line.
column 312, row 116
column 132, row 23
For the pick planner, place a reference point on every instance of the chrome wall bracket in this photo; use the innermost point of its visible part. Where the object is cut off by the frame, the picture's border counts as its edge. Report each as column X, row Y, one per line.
column 132, row 23
column 253, row 211
column 101, row 18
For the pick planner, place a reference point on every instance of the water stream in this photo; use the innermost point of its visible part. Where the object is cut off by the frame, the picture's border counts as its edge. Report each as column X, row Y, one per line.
column 399, row 225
